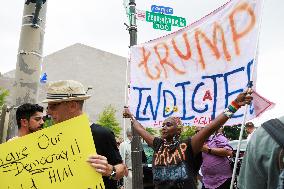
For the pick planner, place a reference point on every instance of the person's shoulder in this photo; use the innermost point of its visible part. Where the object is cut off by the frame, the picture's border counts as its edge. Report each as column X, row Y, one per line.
column 187, row 141
column 223, row 138
column 100, row 129
column 281, row 119
column 158, row 139
column 14, row 138
column 260, row 138
column 157, row 143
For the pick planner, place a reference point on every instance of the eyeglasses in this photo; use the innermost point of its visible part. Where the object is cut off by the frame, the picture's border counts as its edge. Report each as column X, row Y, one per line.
column 167, row 124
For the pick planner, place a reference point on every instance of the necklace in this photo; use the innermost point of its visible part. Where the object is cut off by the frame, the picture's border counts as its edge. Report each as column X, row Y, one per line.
column 172, row 145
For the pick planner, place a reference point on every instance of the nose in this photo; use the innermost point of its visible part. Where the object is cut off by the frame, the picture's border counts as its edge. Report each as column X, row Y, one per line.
column 41, row 121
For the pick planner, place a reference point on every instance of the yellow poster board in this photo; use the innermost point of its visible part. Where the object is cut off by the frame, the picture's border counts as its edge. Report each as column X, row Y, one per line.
column 52, row 158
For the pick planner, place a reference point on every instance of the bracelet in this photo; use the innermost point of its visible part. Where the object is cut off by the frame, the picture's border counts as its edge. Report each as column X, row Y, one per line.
column 235, row 104
column 209, row 151
column 231, row 109
column 228, row 113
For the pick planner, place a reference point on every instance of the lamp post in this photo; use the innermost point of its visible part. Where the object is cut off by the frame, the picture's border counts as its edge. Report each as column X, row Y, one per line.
column 29, row 59
column 136, row 147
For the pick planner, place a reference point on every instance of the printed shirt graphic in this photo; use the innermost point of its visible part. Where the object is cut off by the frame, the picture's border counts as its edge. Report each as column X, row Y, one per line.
column 173, row 169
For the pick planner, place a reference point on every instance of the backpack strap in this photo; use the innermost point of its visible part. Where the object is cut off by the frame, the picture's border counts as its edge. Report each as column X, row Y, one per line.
column 275, row 128
column 281, row 159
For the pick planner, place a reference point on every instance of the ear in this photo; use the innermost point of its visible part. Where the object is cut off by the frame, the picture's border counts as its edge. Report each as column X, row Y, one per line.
column 73, row 106
column 24, row 122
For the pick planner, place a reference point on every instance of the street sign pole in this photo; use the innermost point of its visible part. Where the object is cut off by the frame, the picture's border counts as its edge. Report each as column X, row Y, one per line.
column 136, row 147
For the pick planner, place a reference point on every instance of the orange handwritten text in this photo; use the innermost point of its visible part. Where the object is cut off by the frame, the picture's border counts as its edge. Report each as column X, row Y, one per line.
column 174, row 55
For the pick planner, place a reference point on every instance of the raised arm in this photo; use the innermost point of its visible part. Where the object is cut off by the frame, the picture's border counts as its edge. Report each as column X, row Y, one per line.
column 198, row 140
column 138, row 127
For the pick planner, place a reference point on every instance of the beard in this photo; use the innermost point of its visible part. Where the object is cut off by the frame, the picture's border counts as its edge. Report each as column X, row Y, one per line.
column 31, row 129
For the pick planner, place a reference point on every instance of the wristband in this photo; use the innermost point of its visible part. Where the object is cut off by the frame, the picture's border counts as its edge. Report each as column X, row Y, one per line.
column 233, row 107
column 228, row 113
column 209, row 151
column 235, row 104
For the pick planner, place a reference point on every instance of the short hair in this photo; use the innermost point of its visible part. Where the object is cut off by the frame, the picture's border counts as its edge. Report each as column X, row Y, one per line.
column 250, row 125
column 26, row 111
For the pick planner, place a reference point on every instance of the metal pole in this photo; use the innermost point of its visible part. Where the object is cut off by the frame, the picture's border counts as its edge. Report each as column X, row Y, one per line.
column 29, row 59
column 2, row 123
column 136, row 147
column 246, row 107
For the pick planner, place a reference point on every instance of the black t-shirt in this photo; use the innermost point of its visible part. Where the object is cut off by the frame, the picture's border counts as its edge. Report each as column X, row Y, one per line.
column 174, row 169
column 106, row 146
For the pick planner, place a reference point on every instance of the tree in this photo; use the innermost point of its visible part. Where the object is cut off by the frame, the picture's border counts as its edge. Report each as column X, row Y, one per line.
column 3, row 94
column 233, row 132
column 151, row 131
column 107, row 119
column 187, row 131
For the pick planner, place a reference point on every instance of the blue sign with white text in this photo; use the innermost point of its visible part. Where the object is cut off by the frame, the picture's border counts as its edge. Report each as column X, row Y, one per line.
column 162, row 9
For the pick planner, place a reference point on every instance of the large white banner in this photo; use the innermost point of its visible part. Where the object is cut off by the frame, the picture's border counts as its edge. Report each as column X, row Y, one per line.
column 196, row 72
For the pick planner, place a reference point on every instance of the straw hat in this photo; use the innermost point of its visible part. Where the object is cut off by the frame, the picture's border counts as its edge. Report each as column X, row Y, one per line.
column 65, row 90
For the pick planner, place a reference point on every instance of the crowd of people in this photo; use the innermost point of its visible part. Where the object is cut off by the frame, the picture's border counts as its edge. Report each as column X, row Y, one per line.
column 176, row 163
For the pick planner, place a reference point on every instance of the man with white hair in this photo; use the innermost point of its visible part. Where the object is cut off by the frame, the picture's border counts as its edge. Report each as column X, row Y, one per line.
column 125, row 152
column 65, row 101
column 250, row 128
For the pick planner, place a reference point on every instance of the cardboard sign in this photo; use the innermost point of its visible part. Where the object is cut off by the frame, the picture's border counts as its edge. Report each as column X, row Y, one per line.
column 52, row 158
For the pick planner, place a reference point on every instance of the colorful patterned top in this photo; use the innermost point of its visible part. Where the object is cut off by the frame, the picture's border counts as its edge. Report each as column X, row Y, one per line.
column 174, row 168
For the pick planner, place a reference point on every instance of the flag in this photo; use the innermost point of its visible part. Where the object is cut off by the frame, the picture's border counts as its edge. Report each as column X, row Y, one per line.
column 43, row 78
column 261, row 104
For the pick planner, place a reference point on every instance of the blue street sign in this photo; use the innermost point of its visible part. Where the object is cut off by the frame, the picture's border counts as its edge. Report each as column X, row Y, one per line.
column 162, row 9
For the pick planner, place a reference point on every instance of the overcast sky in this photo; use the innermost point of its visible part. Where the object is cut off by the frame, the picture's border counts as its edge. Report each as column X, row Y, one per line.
column 100, row 24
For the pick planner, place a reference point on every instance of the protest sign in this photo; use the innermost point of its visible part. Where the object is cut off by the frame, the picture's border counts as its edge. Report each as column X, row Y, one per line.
column 54, row 157
column 196, row 72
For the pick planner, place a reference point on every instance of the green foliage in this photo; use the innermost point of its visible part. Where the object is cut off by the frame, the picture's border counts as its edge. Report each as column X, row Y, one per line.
column 3, row 94
column 188, row 131
column 152, row 131
column 107, row 119
column 233, row 132
column 47, row 123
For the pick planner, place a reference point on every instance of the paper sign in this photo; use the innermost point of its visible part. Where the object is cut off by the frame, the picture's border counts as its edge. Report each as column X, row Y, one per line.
column 52, row 158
